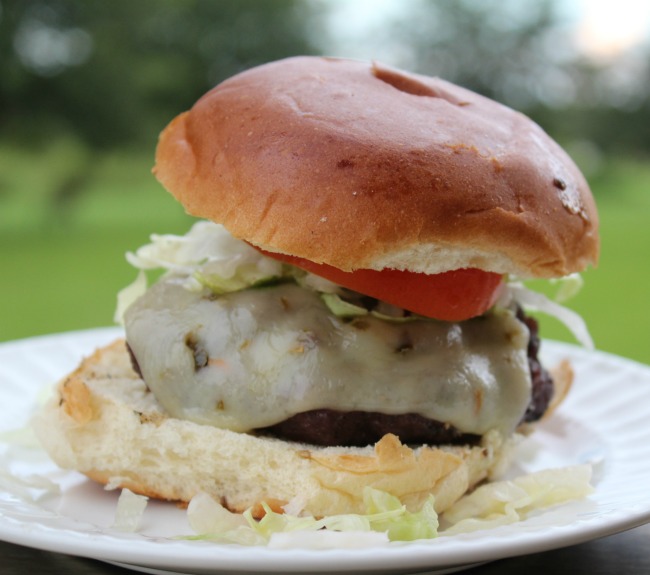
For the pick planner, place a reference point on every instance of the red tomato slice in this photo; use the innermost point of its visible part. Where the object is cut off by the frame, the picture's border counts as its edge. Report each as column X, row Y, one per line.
column 450, row 296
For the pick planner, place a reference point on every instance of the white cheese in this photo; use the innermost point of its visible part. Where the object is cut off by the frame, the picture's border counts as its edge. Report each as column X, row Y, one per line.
column 253, row 358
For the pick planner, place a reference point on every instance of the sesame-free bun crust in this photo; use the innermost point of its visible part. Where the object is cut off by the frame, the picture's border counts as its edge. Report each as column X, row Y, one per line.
column 103, row 422
column 358, row 165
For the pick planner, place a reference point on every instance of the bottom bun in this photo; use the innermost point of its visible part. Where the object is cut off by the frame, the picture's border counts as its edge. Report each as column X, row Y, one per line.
column 105, row 423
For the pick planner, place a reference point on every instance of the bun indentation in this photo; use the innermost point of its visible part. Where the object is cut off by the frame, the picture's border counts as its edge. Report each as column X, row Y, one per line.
column 411, row 85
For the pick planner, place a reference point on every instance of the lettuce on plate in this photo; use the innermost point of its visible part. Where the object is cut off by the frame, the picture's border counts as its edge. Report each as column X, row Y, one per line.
column 387, row 519
column 385, row 516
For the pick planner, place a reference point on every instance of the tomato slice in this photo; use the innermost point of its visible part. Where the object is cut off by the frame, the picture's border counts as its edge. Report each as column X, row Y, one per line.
column 455, row 295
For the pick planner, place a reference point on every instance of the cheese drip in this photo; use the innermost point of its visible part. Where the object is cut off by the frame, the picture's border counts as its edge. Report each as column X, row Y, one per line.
column 253, row 358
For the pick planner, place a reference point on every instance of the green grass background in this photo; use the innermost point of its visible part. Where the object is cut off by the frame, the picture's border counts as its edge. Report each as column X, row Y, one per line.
column 62, row 261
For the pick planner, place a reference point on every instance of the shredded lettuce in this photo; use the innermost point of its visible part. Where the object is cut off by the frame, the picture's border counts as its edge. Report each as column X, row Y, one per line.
column 129, row 511
column 22, row 445
column 568, row 287
column 314, row 282
column 26, row 487
column 212, row 521
column 209, row 255
column 392, row 517
column 245, row 278
column 505, row 502
column 387, row 519
column 342, row 308
column 384, row 514
column 537, row 301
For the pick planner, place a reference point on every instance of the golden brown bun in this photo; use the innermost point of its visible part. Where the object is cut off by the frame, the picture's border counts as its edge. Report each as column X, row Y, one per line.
column 362, row 166
column 103, row 422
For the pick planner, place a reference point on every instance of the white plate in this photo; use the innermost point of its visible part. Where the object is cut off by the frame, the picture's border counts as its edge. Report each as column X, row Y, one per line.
column 604, row 421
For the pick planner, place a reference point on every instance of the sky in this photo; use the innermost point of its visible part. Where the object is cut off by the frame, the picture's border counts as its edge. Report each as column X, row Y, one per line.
column 606, row 28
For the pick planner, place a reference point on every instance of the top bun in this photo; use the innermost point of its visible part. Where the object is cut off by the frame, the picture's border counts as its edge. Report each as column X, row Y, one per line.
column 359, row 165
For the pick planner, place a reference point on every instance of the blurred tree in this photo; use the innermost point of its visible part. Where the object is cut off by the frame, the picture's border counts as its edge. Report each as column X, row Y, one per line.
column 495, row 47
column 95, row 75
column 112, row 72
column 611, row 107
column 505, row 49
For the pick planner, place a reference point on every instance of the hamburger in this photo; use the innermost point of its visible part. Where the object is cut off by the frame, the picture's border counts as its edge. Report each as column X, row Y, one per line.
column 345, row 312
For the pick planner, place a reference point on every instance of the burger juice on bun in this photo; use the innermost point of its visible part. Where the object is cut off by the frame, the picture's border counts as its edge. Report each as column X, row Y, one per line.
column 346, row 313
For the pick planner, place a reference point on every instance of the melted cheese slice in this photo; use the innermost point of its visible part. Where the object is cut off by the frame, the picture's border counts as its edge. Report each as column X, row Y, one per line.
column 253, row 358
